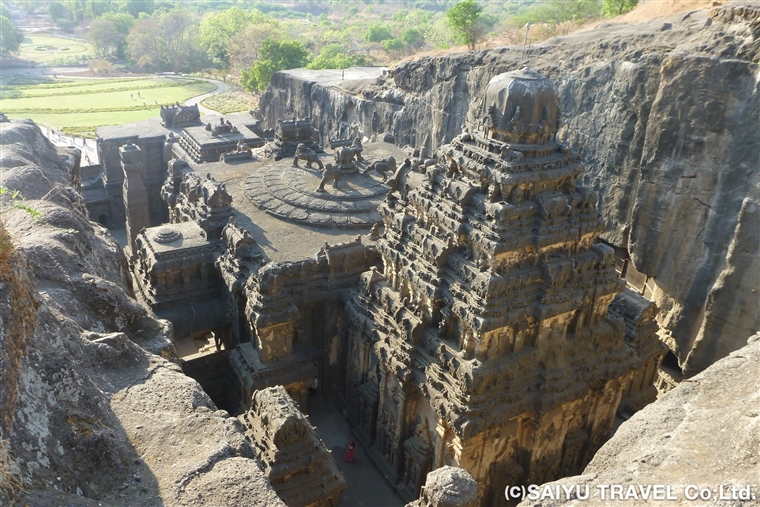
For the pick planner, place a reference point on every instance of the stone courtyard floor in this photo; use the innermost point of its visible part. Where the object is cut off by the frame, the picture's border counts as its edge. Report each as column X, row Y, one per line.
column 366, row 487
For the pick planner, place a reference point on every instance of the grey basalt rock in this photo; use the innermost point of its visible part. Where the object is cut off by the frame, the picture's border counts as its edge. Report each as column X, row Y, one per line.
column 93, row 410
column 448, row 487
column 704, row 433
column 666, row 122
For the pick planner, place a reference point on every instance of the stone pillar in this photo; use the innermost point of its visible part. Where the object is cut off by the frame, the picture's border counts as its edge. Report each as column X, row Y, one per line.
column 448, row 487
column 134, row 193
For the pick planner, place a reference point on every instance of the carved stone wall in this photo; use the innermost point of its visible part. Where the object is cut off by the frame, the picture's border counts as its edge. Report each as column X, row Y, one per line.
column 299, row 467
column 154, row 173
column 488, row 333
column 295, row 317
column 641, row 329
column 204, row 201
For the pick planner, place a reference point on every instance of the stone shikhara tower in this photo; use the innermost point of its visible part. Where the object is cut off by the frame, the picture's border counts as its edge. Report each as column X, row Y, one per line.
column 486, row 343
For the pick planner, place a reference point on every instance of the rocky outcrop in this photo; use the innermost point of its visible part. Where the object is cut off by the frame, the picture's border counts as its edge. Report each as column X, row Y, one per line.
column 448, row 487
column 94, row 410
column 703, row 433
column 664, row 114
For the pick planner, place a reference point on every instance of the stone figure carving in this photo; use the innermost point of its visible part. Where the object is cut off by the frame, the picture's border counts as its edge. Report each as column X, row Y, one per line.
column 303, row 152
column 224, row 127
column 382, row 167
column 465, row 136
column 240, row 153
column 510, row 155
column 177, row 115
column 355, row 130
column 329, row 173
column 516, row 125
column 347, row 156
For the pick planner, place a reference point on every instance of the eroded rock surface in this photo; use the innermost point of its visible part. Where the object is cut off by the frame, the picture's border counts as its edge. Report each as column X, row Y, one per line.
column 94, row 411
column 705, row 432
column 666, row 121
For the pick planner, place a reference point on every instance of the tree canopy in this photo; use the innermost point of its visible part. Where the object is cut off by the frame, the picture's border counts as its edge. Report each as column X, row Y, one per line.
column 58, row 11
column 617, row 7
column 8, row 41
column 554, row 12
column 243, row 49
column 274, row 55
column 334, row 56
column 217, row 30
column 104, row 37
column 464, row 19
column 377, row 32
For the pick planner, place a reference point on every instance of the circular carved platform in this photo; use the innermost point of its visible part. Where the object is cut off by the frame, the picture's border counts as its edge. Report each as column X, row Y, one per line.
column 291, row 193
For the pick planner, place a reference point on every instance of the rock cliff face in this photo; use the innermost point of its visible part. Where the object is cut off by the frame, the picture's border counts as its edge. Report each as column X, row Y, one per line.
column 664, row 114
column 92, row 409
column 704, row 433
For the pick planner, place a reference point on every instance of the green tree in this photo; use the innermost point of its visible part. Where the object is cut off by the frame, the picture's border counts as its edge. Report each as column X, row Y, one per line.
column 554, row 12
column 377, row 32
column 258, row 75
column 274, row 55
column 177, row 27
column 77, row 9
column 217, row 30
column 135, row 7
column 8, row 41
column 145, row 45
column 243, row 49
column 121, row 20
column 28, row 6
column 58, row 12
column 394, row 45
column 617, row 7
column 104, row 37
column 334, row 56
column 123, row 23
column 96, row 8
column 5, row 11
column 464, row 20
column 412, row 37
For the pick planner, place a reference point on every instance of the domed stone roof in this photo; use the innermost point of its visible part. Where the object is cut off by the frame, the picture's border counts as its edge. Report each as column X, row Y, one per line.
column 521, row 107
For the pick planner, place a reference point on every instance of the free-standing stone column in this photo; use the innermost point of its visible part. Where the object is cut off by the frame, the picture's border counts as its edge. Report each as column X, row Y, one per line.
column 135, row 194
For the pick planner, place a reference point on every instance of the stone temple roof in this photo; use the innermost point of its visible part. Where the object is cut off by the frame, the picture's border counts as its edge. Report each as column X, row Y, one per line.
column 522, row 102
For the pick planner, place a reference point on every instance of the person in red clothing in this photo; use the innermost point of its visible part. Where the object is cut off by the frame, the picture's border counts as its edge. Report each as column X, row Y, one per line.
column 348, row 457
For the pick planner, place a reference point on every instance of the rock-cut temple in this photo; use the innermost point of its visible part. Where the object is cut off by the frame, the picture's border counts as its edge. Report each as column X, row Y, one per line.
column 459, row 310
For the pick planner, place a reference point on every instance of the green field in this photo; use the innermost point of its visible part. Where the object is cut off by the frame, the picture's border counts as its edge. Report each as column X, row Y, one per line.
column 78, row 106
column 54, row 50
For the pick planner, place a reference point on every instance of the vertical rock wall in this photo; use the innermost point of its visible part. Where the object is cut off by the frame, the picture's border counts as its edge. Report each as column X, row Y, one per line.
column 664, row 114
